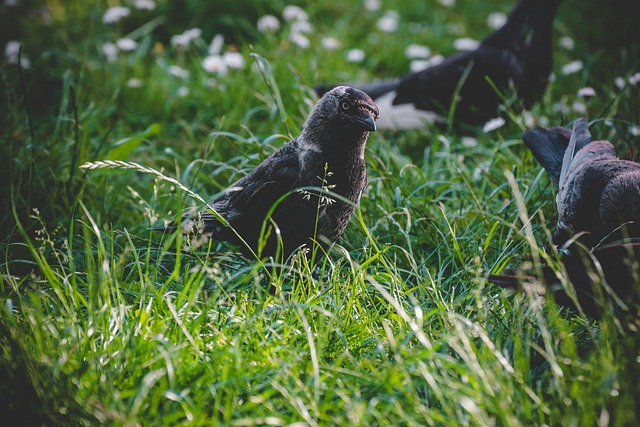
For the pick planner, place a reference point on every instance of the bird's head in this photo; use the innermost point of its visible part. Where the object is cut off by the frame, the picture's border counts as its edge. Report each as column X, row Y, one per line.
column 342, row 110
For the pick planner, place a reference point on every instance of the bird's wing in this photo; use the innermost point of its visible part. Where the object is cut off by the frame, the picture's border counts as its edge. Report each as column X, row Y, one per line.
column 433, row 87
column 548, row 147
column 251, row 197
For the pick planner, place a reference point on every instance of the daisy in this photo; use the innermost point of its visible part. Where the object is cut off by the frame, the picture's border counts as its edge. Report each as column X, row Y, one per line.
column 493, row 124
column 389, row 22
column 355, row 55
column 115, row 14
column 572, row 67
column 214, row 64
column 268, row 23
column 126, row 44
column 294, row 13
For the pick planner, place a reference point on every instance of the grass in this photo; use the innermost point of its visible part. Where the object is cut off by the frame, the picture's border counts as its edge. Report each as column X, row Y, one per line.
column 106, row 322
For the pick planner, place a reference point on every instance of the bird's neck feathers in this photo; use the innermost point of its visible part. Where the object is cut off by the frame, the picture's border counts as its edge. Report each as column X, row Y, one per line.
column 334, row 142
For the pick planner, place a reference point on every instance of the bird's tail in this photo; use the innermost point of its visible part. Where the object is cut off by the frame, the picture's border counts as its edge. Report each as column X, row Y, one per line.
column 580, row 137
column 548, row 147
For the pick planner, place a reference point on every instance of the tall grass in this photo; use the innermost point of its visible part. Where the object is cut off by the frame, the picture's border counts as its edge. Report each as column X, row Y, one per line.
column 104, row 321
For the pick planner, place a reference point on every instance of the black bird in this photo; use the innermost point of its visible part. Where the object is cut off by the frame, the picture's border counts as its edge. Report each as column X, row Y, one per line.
column 598, row 226
column 518, row 54
column 312, row 183
column 617, row 264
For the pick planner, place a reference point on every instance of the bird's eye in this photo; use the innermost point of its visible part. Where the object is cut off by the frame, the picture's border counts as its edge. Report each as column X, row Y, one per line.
column 345, row 105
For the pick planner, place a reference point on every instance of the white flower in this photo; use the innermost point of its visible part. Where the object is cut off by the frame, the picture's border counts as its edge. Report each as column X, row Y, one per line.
column 587, row 92
column 126, row 44
column 177, row 71
column 372, row 5
column 301, row 27
column 417, row 51
column 543, row 121
column 635, row 130
column 183, row 40
column 115, row 14
column 633, row 80
column 183, row 91
column 144, row 4
column 192, row 33
column 215, row 47
column 529, row 119
column 268, row 23
column 561, row 107
column 355, row 55
column 469, row 141
column 619, row 82
column 493, row 124
column 11, row 51
column 110, row 50
column 419, row 65
column 567, row 42
column 214, row 64
column 579, row 107
column 299, row 40
column 294, row 13
column 480, row 170
column 330, row 43
column 134, row 83
column 389, row 22
column 233, row 59
column 447, row 3
column 496, row 20
column 465, row 43
column 572, row 67
column 435, row 60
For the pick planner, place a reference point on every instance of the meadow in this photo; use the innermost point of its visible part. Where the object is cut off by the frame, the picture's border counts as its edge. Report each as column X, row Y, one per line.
column 118, row 119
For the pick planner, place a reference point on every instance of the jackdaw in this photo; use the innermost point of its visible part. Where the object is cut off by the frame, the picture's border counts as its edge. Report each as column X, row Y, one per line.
column 598, row 194
column 304, row 192
column 519, row 54
column 598, row 227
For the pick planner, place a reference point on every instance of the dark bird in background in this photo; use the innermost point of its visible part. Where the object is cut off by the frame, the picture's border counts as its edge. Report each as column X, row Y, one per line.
column 312, row 183
column 598, row 226
column 518, row 54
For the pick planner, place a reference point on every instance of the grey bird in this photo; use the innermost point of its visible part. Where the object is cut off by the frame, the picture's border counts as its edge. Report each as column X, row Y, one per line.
column 519, row 54
column 304, row 192
column 598, row 194
column 598, row 227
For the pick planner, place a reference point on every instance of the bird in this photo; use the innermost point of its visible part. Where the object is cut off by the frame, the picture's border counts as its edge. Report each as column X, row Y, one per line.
column 617, row 264
column 305, row 192
column 598, row 226
column 519, row 54
column 598, row 194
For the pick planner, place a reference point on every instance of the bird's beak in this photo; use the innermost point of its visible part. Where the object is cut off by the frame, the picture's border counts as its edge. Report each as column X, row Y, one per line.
column 367, row 123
